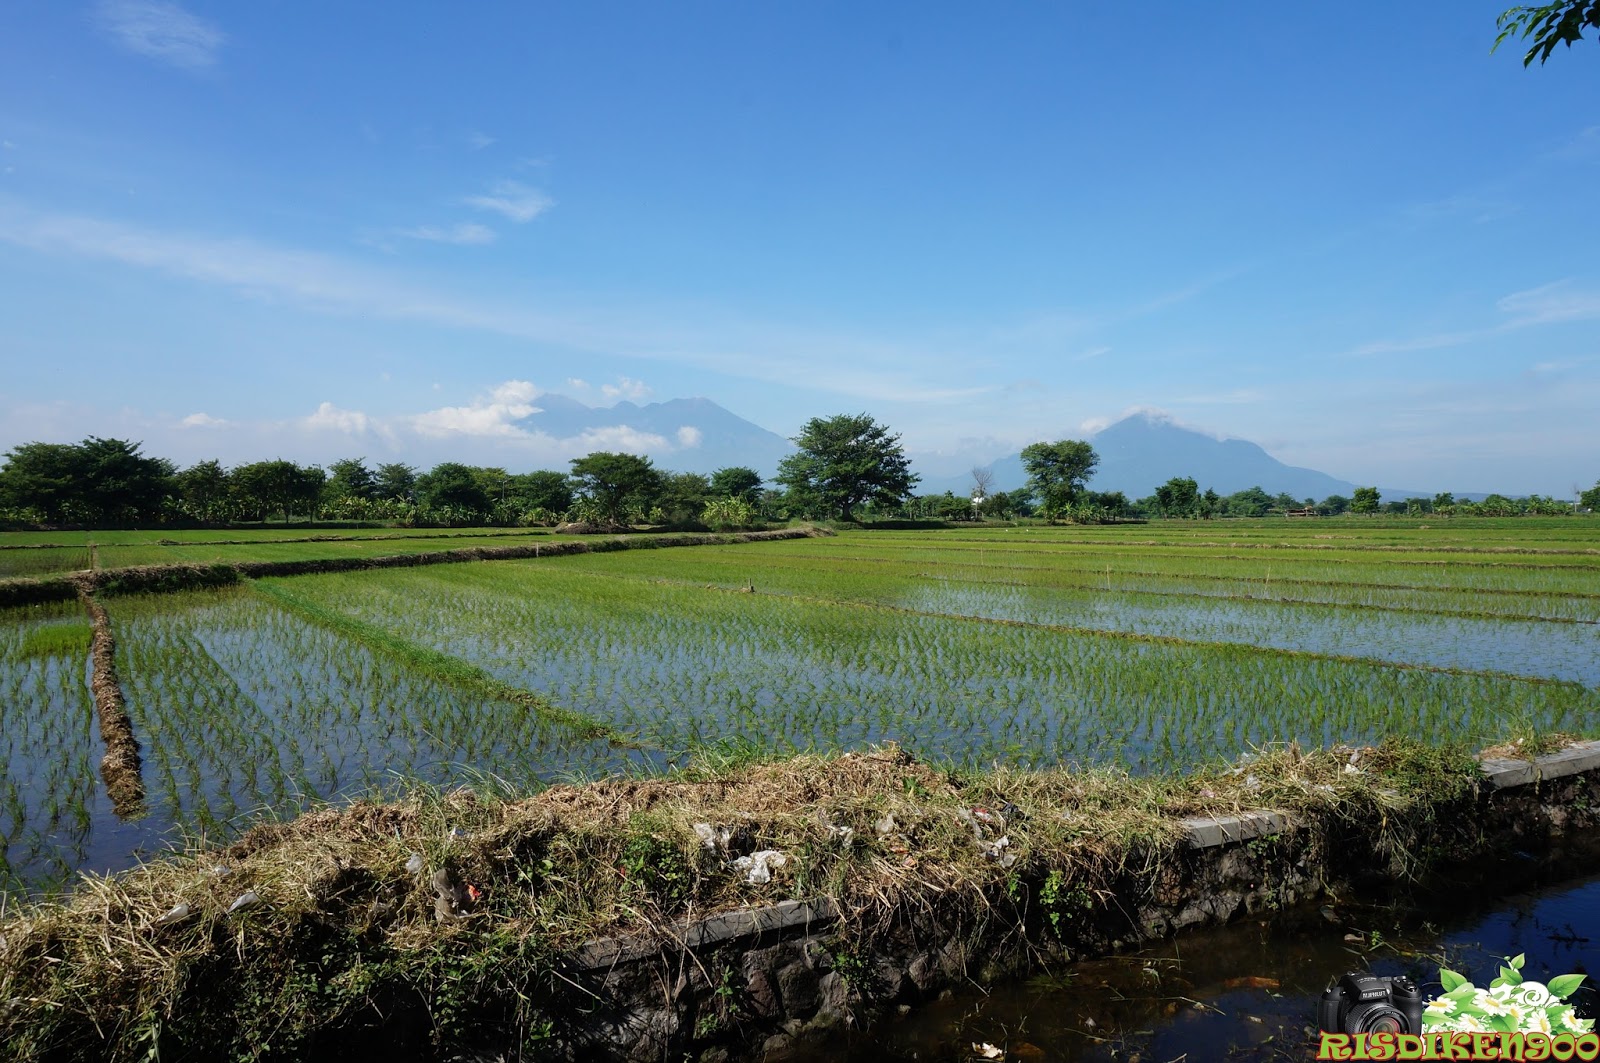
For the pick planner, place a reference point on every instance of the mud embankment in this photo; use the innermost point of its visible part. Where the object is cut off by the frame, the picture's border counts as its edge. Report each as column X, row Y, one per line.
column 165, row 578
column 120, row 768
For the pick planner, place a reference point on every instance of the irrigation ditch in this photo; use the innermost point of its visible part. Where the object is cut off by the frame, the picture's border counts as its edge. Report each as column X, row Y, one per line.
column 734, row 910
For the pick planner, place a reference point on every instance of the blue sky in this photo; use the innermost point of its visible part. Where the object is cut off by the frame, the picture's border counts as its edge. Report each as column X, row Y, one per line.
column 1344, row 231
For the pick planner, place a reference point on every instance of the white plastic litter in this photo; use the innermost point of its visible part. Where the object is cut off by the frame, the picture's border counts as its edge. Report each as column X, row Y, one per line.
column 178, row 914
column 222, row 871
column 414, row 864
column 246, row 900
column 707, row 835
column 845, row 836
column 758, row 866
column 886, row 826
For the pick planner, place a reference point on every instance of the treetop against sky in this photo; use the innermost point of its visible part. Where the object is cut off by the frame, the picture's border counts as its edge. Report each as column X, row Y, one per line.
column 236, row 230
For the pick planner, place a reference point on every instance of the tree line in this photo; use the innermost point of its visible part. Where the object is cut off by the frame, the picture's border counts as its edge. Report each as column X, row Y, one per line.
column 845, row 467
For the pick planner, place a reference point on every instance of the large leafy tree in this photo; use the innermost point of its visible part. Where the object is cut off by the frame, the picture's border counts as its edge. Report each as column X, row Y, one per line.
column 452, row 484
column 614, row 483
column 1365, row 500
column 203, row 487
column 737, row 481
column 1058, row 471
column 1548, row 25
column 542, row 489
column 350, row 478
column 280, row 486
column 844, row 461
column 43, row 477
column 98, row 481
column 395, row 481
column 1178, row 497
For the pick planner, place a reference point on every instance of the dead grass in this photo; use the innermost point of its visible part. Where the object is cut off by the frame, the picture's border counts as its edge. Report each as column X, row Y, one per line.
column 344, row 928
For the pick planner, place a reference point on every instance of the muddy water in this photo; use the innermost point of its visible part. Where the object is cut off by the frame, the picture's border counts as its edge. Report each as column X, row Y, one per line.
column 1245, row 992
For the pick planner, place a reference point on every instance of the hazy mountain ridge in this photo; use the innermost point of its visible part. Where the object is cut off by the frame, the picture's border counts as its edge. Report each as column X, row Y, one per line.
column 722, row 438
column 1137, row 454
column 1143, row 451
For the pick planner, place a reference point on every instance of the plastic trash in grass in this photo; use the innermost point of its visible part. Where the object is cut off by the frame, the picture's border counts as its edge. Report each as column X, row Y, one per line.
column 758, row 866
column 244, row 902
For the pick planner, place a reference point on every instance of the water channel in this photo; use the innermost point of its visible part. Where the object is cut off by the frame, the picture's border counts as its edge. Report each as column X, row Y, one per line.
column 1249, row 991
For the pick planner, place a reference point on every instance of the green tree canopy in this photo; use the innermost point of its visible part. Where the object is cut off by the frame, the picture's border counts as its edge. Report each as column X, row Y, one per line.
column 844, row 461
column 683, row 495
column 1548, row 25
column 542, row 489
column 450, row 483
column 395, row 481
column 1057, row 472
column 1365, row 500
column 203, row 487
column 350, row 478
column 737, row 481
column 98, row 482
column 1178, row 497
column 1590, row 499
column 614, row 483
column 265, row 487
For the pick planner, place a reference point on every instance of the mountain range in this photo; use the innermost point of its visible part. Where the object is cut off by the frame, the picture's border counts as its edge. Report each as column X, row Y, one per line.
column 1137, row 454
column 1144, row 450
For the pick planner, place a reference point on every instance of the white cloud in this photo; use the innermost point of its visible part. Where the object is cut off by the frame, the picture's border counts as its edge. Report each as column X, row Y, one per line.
column 689, row 437
column 1545, row 305
column 161, row 31
column 619, row 437
column 466, row 233
column 329, row 416
column 477, row 140
column 513, row 199
column 577, row 383
column 774, row 353
column 626, row 388
column 1561, row 301
column 1156, row 414
column 203, row 420
column 495, row 415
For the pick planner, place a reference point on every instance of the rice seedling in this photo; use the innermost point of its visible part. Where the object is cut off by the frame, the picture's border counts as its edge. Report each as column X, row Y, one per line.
column 1151, row 648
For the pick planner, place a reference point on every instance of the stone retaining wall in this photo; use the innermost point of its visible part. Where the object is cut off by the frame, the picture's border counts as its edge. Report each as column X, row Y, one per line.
column 751, row 983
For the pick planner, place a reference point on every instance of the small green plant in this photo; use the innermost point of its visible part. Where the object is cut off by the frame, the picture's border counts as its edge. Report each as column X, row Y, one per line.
column 1062, row 902
column 656, row 867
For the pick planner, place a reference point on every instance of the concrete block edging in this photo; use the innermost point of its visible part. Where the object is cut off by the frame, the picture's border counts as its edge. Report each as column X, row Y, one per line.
column 1203, row 832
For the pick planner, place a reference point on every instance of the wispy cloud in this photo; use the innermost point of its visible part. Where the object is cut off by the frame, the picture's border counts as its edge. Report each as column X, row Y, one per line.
column 465, row 234
column 1548, row 304
column 161, row 31
column 477, row 140
column 861, row 367
column 1561, row 301
column 514, row 200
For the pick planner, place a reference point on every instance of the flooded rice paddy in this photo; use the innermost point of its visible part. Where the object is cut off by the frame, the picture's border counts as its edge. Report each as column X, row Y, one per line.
column 1035, row 647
